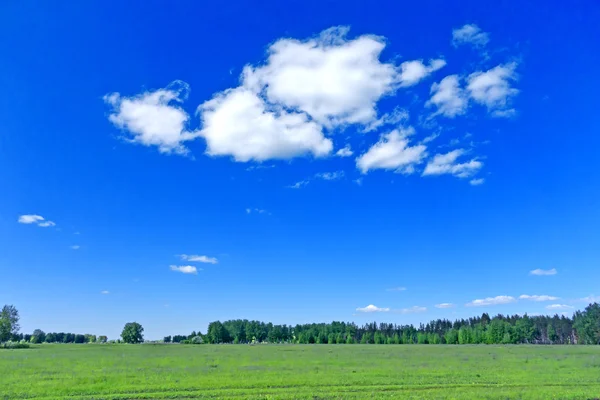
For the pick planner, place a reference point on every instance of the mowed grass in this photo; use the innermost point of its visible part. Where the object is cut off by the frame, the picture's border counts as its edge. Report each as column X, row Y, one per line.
column 300, row 372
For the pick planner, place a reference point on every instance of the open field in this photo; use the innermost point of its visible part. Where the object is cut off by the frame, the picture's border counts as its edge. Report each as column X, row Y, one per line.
column 300, row 372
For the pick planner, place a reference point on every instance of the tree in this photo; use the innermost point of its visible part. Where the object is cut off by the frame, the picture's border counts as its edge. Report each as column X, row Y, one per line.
column 132, row 333
column 9, row 322
column 587, row 324
column 102, row 339
column 38, row 336
column 167, row 339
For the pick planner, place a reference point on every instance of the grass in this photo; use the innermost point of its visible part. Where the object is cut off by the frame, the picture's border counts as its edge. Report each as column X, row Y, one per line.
column 300, row 372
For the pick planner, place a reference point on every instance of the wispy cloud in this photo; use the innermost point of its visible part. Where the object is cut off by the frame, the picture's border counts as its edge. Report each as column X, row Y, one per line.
column 445, row 305
column 491, row 301
column 325, row 176
column 371, row 308
column 543, row 272
column 35, row 219
column 75, row 247
column 536, row 297
column 590, row 299
column 198, row 258
column 446, row 164
column 256, row 211
column 558, row 307
column 412, row 310
column 477, row 182
column 185, row 269
column 397, row 289
column 105, row 292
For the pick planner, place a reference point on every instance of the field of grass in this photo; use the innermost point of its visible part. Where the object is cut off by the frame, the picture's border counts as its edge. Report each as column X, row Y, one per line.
column 300, row 372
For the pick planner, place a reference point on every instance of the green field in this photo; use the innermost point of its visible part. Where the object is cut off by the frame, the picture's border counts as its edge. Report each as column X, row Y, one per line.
column 300, row 372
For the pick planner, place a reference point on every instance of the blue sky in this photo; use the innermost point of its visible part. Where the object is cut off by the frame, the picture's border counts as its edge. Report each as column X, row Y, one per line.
column 315, row 156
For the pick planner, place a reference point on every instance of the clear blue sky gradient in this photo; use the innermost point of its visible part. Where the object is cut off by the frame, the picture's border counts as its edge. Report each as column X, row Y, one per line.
column 319, row 252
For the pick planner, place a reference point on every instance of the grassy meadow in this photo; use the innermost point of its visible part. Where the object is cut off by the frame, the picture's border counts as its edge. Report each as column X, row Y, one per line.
column 300, row 372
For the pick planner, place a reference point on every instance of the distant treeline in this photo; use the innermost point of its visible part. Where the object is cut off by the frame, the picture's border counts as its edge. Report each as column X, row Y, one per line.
column 39, row 336
column 582, row 328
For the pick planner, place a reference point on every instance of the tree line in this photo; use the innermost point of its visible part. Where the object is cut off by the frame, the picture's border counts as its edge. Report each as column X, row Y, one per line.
column 582, row 328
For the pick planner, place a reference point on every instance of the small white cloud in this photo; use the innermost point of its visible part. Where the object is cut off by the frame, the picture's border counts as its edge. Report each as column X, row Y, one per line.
column 492, row 88
column 558, row 307
column 358, row 181
column 153, row 118
column 490, row 301
column 344, row 152
column 448, row 97
column 371, row 308
column 75, row 247
column 536, row 297
column 299, row 184
column 185, row 269
column 445, row 305
column 256, row 211
column 105, row 292
column 543, row 272
column 76, row 233
column 330, row 176
column 446, row 164
column 197, row 258
column 412, row 310
column 477, row 182
column 411, row 72
column 392, row 152
column 469, row 34
column 591, row 299
column 30, row 219
column 35, row 219
column 397, row 289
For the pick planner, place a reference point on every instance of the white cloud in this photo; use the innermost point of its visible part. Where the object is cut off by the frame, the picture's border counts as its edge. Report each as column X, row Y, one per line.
column 330, row 176
column 358, row 181
column 477, row 182
column 412, row 310
column 333, row 79
column 469, row 34
column 35, row 219
column 238, row 123
column 345, row 152
column 325, row 176
column 558, row 307
column 371, row 308
column 543, row 272
column 105, row 292
column 256, row 211
column 392, row 152
column 490, row 301
column 185, row 269
column 446, row 164
column 394, row 118
column 46, row 224
column 197, row 258
column 397, row 289
column 448, row 97
column 445, row 305
column 414, row 71
column 153, row 118
column 591, row 299
column 30, row 219
column 538, row 297
column 492, row 88
column 75, row 247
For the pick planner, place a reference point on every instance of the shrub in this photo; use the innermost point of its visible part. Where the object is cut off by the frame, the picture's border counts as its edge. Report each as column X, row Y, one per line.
column 197, row 340
column 13, row 345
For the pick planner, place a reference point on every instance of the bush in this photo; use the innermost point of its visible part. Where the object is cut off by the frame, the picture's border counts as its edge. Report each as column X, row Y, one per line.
column 197, row 340
column 13, row 345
